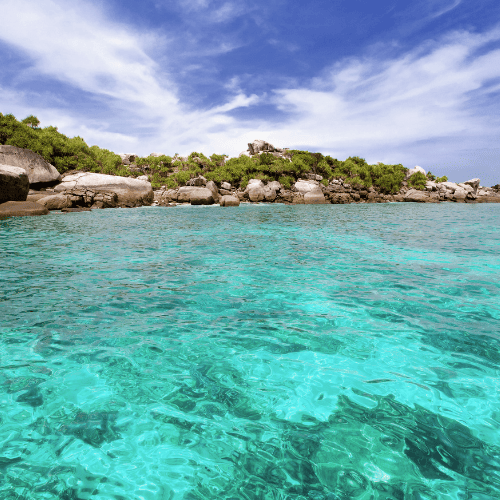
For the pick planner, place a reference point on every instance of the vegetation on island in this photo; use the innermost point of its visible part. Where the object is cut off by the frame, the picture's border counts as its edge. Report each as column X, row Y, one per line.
column 67, row 153
column 63, row 152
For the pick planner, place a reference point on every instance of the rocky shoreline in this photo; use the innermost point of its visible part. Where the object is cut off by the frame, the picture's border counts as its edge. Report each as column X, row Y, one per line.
column 31, row 186
column 311, row 191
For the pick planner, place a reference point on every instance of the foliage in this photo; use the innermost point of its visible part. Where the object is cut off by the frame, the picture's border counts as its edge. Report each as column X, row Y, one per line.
column 417, row 180
column 63, row 152
column 67, row 153
column 430, row 176
column 32, row 121
column 442, row 179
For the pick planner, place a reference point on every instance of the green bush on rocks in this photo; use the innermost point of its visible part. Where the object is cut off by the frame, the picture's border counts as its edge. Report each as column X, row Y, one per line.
column 67, row 153
column 417, row 181
column 63, row 152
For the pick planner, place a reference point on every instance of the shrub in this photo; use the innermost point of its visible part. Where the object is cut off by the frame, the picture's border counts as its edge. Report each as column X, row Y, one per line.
column 417, row 180
column 67, row 153
column 286, row 181
column 63, row 152
column 442, row 179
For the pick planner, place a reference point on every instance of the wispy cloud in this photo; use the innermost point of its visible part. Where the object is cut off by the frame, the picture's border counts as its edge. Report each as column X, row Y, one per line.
column 375, row 104
column 444, row 8
column 444, row 92
column 84, row 49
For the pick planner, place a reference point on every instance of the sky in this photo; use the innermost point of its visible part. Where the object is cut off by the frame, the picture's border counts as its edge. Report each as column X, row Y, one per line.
column 392, row 81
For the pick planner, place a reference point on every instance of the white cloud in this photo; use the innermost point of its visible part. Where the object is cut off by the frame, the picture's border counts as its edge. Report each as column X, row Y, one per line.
column 376, row 104
column 80, row 47
column 383, row 109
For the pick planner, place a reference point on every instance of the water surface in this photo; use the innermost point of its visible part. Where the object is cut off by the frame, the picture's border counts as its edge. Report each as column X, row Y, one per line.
column 262, row 352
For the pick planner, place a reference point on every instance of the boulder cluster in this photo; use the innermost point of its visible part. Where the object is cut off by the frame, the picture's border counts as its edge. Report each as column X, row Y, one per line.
column 258, row 147
column 31, row 186
column 26, row 178
column 312, row 191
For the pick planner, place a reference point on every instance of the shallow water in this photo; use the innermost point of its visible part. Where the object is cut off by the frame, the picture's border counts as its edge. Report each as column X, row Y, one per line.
column 264, row 352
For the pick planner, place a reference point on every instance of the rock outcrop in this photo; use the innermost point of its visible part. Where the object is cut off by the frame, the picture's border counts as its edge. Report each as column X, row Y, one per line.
column 414, row 170
column 40, row 173
column 194, row 195
column 55, row 201
column 258, row 147
column 414, row 195
column 255, row 190
column 229, row 201
column 21, row 209
column 130, row 192
column 213, row 188
column 199, row 181
column 74, row 198
column 127, row 158
column 14, row 183
column 308, row 186
column 314, row 198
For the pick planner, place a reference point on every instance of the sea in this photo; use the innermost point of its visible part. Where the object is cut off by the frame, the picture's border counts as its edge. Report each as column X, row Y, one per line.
column 308, row 352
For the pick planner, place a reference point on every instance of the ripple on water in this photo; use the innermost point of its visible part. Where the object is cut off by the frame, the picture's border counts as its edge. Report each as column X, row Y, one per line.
column 305, row 352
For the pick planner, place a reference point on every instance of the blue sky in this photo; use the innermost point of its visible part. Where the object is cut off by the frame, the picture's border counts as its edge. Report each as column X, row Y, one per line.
column 416, row 82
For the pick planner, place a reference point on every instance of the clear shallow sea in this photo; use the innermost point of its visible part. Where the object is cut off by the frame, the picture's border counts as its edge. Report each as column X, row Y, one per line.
column 328, row 352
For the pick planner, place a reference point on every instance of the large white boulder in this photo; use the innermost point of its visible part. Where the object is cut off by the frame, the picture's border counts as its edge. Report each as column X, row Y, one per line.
column 308, row 186
column 55, row 201
column 415, row 195
column 474, row 184
column 127, row 158
column 450, row 186
column 274, row 185
column 256, row 193
column 460, row 194
column 130, row 191
column 14, row 183
column 314, row 198
column 255, row 190
column 213, row 188
column 414, row 170
column 229, row 201
column 195, row 195
column 253, row 183
column 38, row 170
column 258, row 146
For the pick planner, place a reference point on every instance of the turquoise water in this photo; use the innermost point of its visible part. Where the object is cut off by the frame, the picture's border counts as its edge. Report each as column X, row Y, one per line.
column 266, row 352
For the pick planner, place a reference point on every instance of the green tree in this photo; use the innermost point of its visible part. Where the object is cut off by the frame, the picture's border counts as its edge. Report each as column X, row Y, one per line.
column 32, row 121
column 417, row 181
